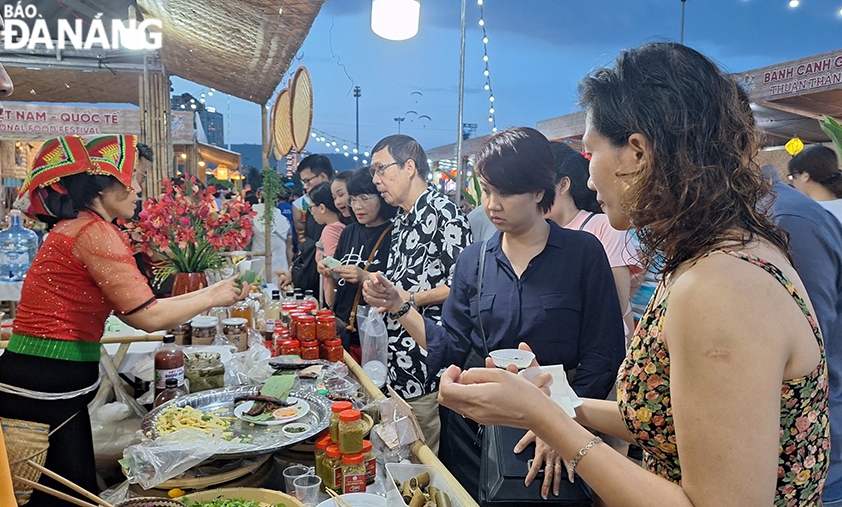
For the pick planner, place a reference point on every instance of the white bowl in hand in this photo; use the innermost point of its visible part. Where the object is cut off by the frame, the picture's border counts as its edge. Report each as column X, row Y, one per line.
column 504, row 357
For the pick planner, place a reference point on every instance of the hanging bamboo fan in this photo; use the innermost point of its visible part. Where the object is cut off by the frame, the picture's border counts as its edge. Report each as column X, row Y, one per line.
column 283, row 125
column 301, row 91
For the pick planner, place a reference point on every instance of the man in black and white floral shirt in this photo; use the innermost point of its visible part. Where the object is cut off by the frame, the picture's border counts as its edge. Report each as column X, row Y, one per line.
column 429, row 233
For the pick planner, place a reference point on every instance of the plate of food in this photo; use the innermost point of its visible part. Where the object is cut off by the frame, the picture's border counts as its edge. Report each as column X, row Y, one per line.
column 270, row 411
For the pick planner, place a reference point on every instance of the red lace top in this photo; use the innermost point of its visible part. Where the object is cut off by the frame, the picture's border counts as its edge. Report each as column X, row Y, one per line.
column 82, row 273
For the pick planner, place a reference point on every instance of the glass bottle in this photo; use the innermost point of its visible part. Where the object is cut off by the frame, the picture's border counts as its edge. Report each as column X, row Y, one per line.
column 169, row 363
column 18, row 247
column 273, row 306
column 171, row 392
column 308, row 296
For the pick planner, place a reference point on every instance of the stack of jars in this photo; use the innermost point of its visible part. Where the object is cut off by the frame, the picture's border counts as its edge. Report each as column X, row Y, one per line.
column 344, row 460
column 304, row 331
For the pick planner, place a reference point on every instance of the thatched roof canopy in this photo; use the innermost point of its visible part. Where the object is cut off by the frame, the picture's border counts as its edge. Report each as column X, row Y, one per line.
column 242, row 48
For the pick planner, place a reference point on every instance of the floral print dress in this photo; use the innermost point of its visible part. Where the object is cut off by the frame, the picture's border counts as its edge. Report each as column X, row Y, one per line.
column 645, row 404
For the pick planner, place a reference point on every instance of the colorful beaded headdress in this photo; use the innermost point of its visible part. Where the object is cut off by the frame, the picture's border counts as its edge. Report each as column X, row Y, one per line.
column 113, row 156
column 58, row 157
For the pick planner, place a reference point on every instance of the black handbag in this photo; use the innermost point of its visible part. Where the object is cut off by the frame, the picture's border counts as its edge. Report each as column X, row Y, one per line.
column 502, row 474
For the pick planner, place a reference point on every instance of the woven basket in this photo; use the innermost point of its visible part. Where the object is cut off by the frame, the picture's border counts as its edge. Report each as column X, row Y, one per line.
column 283, row 125
column 150, row 502
column 25, row 440
column 301, row 111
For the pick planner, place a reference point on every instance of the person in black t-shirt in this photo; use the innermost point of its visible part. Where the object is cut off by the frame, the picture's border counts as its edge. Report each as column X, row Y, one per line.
column 354, row 251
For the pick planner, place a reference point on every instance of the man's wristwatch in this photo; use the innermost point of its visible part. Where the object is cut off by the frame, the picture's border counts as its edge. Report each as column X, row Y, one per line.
column 403, row 310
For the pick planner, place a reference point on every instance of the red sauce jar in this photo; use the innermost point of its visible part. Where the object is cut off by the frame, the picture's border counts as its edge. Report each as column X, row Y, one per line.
column 323, row 312
column 326, row 328
column 310, row 350
column 293, row 325
column 291, row 348
column 332, row 351
column 306, row 328
column 308, row 307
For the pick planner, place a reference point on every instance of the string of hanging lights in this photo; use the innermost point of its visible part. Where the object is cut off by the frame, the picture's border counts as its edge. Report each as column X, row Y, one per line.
column 339, row 145
column 492, row 118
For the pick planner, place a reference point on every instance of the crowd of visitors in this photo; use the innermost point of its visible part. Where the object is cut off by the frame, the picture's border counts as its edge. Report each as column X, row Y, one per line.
column 662, row 252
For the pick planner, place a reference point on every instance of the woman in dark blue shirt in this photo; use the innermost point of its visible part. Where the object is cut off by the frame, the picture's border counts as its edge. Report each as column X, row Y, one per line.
column 547, row 286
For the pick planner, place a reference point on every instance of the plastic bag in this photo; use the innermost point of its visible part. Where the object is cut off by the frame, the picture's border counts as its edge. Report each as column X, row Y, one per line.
column 374, row 342
column 151, row 463
column 116, row 425
column 250, row 366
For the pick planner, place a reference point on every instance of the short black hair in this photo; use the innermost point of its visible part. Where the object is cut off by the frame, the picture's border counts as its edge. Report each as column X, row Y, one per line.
column 145, row 152
column 822, row 164
column 318, row 164
column 518, row 160
column 571, row 164
column 404, row 148
column 320, row 194
column 82, row 189
column 360, row 183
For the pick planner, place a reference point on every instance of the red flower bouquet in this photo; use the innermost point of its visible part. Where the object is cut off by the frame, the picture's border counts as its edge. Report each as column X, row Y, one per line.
column 183, row 226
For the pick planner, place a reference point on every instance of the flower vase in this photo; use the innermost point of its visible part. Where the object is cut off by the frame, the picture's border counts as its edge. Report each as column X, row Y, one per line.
column 188, row 282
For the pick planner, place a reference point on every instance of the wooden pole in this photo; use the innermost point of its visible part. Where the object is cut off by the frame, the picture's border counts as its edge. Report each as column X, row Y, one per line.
column 268, row 200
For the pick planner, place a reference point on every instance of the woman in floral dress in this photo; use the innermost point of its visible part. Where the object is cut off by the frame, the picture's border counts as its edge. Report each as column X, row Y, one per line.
column 725, row 384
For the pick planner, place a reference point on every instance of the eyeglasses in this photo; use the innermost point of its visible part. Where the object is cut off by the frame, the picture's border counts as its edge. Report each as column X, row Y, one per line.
column 791, row 176
column 360, row 199
column 380, row 169
column 308, row 180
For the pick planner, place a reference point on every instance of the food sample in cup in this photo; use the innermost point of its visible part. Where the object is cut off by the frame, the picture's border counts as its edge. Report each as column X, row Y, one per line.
column 294, row 430
column 504, row 357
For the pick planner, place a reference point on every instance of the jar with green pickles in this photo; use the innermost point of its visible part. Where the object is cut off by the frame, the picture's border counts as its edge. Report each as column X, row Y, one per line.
column 335, row 410
column 350, row 432
column 321, row 453
column 332, row 468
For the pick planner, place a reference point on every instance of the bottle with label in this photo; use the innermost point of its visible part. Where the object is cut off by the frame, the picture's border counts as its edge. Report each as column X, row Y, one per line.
column 273, row 306
column 169, row 363
column 299, row 297
column 172, row 392
column 18, row 247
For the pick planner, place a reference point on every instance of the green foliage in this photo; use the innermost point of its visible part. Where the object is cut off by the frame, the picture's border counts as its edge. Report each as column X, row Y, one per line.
column 273, row 192
column 219, row 183
column 832, row 128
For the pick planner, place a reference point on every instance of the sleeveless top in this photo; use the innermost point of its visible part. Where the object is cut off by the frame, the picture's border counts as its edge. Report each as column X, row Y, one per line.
column 645, row 404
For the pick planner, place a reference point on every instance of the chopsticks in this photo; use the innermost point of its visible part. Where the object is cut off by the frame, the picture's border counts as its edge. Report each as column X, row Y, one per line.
column 338, row 499
column 57, row 494
column 69, row 484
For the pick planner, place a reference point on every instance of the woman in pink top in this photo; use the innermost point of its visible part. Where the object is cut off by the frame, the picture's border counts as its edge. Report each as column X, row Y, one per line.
column 326, row 213
column 576, row 208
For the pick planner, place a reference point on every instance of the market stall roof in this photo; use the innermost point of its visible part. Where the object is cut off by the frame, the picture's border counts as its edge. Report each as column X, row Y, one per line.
column 239, row 47
column 242, row 48
column 213, row 154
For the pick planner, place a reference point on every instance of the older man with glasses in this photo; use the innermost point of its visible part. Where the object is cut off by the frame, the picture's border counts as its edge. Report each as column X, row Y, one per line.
column 429, row 233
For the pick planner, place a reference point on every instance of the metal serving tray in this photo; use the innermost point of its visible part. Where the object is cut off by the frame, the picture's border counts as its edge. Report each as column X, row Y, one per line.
column 264, row 439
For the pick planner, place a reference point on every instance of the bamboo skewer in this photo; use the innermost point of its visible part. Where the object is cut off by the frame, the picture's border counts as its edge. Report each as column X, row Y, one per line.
column 338, row 499
column 53, row 492
column 69, row 484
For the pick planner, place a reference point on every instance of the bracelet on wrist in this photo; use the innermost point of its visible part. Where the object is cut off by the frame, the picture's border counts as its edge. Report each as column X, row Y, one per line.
column 403, row 310
column 571, row 466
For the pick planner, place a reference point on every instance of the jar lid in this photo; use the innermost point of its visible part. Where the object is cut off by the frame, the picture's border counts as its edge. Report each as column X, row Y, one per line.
column 306, row 318
column 204, row 321
column 291, row 344
column 325, row 441
column 341, row 406
column 333, row 451
column 310, row 343
column 288, row 305
column 353, row 459
column 366, row 446
column 326, row 318
column 234, row 321
column 349, row 415
column 333, row 343
column 324, row 311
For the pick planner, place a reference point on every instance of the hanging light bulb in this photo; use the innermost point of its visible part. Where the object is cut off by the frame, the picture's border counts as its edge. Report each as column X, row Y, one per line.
column 794, row 3
column 485, row 58
column 491, row 98
column 481, row 22
column 395, row 19
column 491, row 110
column 485, row 40
column 486, row 72
column 487, row 87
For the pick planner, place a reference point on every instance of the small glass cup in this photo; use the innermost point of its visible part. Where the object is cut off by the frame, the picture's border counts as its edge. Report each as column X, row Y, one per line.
column 293, row 472
column 307, row 489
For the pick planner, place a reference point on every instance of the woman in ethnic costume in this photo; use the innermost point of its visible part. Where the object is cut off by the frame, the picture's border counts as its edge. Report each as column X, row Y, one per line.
column 83, row 272
column 725, row 383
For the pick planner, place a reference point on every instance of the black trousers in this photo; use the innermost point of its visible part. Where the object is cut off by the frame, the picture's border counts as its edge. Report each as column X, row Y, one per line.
column 71, row 452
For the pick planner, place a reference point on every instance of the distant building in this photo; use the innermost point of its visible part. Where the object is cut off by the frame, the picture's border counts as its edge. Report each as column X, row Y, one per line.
column 212, row 122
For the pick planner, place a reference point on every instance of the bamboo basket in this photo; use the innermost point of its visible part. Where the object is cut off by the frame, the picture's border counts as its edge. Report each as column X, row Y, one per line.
column 25, row 440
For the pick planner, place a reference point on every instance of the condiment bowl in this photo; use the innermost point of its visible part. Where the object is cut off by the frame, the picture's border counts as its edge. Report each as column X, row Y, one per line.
column 504, row 357
column 293, row 430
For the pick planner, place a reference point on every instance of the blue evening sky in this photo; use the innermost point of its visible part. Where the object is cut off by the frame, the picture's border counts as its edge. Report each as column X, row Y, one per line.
column 538, row 50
